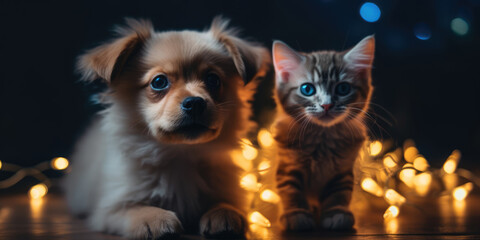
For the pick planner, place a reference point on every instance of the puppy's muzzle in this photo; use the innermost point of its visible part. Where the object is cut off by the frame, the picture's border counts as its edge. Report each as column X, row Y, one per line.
column 194, row 107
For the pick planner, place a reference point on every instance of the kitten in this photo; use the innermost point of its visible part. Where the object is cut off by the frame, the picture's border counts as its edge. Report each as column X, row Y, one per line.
column 323, row 97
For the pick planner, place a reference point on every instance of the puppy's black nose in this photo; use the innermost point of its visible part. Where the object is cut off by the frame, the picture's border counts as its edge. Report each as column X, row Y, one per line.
column 194, row 106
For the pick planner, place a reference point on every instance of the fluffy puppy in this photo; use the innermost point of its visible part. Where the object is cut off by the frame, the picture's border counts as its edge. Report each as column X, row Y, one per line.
column 156, row 161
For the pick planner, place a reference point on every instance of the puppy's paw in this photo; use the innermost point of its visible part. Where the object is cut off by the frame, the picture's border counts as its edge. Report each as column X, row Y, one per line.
column 223, row 222
column 153, row 223
column 337, row 219
column 298, row 221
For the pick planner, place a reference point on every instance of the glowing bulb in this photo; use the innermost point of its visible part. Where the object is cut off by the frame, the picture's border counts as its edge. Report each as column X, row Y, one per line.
column 265, row 138
column 239, row 160
column 407, row 174
column 391, row 226
column 410, row 153
column 422, row 183
column 375, row 148
column 459, row 26
column 461, row 192
column 452, row 161
column 259, row 219
column 38, row 191
column 0, row 164
column 248, row 151
column 270, row 196
column 394, row 198
column 370, row 12
column 391, row 212
column 369, row 185
column 389, row 162
column 420, row 163
column 264, row 166
column 249, row 182
column 59, row 163
column 422, row 31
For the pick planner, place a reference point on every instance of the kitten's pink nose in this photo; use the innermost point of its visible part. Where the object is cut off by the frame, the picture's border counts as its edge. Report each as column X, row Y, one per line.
column 327, row 106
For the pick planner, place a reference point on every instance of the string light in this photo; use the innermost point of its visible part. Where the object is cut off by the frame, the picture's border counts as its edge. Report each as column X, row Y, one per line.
column 459, row 26
column 265, row 138
column 257, row 218
column 269, row 196
column 420, row 163
column 391, row 212
column 248, row 151
column 250, row 182
column 389, row 161
column 264, row 166
column 422, row 183
column 452, row 161
column 394, row 198
column 369, row 185
column 59, row 163
column 38, row 191
column 0, row 164
column 407, row 174
column 375, row 148
column 461, row 192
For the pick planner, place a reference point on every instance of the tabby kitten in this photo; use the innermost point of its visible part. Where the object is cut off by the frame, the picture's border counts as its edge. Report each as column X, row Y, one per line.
column 323, row 97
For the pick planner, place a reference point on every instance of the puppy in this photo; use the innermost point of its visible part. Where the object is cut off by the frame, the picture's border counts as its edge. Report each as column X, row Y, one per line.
column 156, row 161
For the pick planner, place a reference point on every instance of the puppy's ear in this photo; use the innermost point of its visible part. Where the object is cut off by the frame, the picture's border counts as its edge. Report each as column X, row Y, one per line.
column 107, row 60
column 248, row 57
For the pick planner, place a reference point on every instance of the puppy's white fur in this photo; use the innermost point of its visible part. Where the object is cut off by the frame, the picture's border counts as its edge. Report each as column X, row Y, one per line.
column 130, row 179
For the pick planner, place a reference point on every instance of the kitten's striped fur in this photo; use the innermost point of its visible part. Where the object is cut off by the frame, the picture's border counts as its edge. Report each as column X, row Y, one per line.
column 319, row 136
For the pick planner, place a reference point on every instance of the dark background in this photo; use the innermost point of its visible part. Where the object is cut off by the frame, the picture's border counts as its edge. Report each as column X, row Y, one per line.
column 431, row 88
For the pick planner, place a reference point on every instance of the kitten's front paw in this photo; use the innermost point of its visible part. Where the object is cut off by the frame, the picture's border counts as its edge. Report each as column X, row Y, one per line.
column 153, row 223
column 223, row 222
column 298, row 221
column 337, row 219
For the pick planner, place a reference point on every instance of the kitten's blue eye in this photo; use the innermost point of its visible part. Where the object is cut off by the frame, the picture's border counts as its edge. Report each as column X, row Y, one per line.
column 307, row 89
column 159, row 82
column 343, row 89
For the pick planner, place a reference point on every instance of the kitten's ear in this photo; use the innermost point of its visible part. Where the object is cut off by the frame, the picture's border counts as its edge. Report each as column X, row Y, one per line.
column 360, row 57
column 285, row 60
column 107, row 60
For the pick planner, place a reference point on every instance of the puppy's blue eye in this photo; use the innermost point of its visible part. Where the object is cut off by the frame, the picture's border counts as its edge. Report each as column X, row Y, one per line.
column 307, row 89
column 212, row 81
column 159, row 82
column 343, row 89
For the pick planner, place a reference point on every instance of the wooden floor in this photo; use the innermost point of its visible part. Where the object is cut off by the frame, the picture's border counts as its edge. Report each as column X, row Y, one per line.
column 440, row 218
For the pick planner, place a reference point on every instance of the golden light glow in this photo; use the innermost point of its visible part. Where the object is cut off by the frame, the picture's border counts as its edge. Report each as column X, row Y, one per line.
column 407, row 174
column 270, row 196
column 0, row 164
column 265, row 138
column 391, row 226
column 461, row 192
column 369, row 185
column 375, row 148
column 250, row 182
column 394, row 198
column 248, row 151
column 422, row 183
column 452, row 161
column 389, row 162
column 420, row 163
column 391, row 212
column 410, row 153
column 260, row 232
column 259, row 219
column 59, row 163
column 239, row 160
column 264, row 166
column 38, row 191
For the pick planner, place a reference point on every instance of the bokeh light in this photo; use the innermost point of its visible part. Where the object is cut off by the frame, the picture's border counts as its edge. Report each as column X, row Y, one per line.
column 270, row 196
column 375, row 148
column 59, row 163
column 370, row 12
column 459, row 26
column 391, row 212
column 259, row 219
column 422, row 31
column 38, row 191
